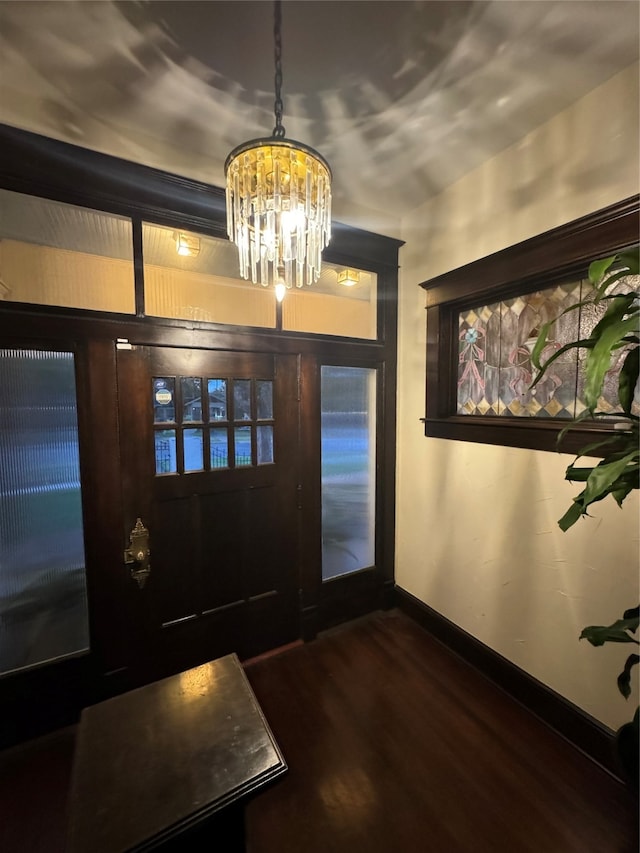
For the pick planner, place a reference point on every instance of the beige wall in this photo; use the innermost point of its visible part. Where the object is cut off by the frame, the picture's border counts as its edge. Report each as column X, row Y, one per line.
column 477, row 538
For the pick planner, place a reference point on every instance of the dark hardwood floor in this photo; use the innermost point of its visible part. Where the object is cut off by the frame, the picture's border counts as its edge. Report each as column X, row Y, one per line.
column 393, row 743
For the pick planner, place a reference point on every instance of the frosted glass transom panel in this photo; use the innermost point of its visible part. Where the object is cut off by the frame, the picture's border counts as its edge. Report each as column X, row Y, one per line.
column 348, row 435
column 59, row 254
column 189, row 276
column 43, row 592
column 342, row 302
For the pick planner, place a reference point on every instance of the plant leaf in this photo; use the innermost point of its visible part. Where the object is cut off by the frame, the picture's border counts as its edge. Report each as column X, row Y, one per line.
column 632, row 613
column 585, row 343
column 622, row 492
column 540, row 344
column 598, row 268
column 578, row 475
column 605, row 474
column 605, row 284
column 626, row 263
column 631, row 260
column 599, row 358
column 571, row 515
column 624, row 679
column 619, row 305
column 598, row 635
column 628, row 379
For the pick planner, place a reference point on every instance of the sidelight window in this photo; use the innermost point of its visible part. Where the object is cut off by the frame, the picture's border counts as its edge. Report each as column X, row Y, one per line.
column 43, row 592
column 348, row 399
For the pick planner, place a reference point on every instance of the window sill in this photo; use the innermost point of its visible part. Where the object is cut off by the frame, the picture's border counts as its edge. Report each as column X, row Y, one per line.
column 538, row 434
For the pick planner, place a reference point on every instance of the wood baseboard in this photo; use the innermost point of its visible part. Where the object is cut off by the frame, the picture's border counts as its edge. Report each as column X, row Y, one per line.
column 573, row 724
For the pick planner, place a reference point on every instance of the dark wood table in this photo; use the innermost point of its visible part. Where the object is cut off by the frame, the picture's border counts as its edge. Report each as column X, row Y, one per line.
column 170, row 765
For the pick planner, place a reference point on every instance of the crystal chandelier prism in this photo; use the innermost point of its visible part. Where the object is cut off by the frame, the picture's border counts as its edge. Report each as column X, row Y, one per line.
column 278, row 197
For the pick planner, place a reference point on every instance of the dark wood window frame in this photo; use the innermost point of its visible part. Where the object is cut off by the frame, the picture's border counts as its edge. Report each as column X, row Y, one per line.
column 542, row 261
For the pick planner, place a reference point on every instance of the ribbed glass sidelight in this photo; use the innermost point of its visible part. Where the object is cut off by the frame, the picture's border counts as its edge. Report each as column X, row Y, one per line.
column 348, row 431
column 43, row 595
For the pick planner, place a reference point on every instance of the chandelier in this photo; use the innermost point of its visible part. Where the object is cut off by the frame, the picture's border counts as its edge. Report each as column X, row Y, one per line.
column 278, row 197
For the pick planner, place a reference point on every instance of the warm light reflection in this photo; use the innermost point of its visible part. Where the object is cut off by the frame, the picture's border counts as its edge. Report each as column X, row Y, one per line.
column 281, row 289
column 348, row 796
column 187, row 245
column 197, row 682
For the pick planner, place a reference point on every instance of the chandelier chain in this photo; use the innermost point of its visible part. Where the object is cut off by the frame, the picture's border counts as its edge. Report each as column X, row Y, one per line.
column 278, row 130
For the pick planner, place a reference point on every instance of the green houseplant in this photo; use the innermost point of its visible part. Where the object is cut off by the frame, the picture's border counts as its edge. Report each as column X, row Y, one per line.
column 615, row 335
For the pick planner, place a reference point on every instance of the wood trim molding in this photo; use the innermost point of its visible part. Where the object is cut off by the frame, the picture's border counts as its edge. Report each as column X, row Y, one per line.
column 574, row 725
column 38, row 165
column 560, row 251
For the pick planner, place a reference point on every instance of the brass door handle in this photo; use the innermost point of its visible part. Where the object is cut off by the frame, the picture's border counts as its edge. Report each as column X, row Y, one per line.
column 138, row 554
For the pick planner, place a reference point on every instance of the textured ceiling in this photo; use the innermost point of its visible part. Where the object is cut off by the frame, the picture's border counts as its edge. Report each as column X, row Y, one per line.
column 402, row 98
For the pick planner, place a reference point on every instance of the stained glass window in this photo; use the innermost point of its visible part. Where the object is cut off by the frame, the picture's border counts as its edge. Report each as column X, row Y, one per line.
column 482, row 321
column 495, row 342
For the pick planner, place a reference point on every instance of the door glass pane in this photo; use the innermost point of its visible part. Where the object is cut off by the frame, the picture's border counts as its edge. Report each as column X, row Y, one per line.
column 164, row 408
column 59, row 254
column 217, row 389
column 165, row 442
column 193, row 450
column 219, row 448
column 243, row 446
column 241, row 399
column 265, row 445
column 264, row 395
column 43, row 595
column 191, row 388
column 348, row 396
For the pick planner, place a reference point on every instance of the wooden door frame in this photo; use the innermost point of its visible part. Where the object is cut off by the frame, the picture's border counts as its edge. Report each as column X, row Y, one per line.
column 328, row 603
column 143, row 494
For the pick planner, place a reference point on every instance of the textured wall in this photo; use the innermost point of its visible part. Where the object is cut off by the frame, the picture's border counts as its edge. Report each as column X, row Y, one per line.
column 477, row 537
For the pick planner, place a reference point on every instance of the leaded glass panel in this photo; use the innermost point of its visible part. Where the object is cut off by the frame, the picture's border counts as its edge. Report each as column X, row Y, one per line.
column 495, row 342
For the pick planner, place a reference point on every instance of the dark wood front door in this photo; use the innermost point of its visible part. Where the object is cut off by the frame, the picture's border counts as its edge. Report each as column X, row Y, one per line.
column 209, row 452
